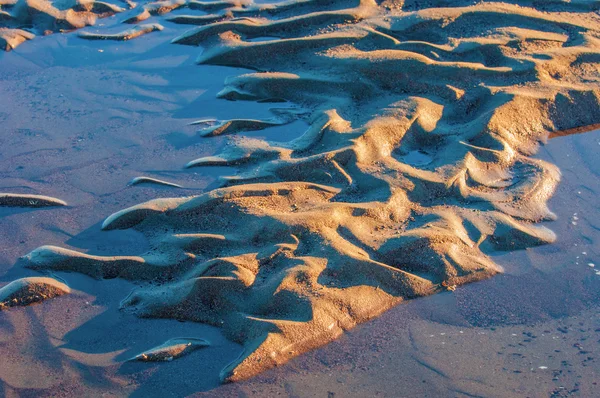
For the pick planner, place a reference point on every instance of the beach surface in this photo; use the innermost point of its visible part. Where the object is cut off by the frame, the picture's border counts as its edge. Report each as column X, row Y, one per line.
column 182, row 206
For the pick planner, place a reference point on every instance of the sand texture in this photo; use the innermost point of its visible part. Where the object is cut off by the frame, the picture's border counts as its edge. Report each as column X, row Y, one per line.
column 45, row 16
column 12, row 38
column 31, row 290
column 25, row 200
column 417, row 163
column 171, row 349
column 127, row 34
column 150, row 180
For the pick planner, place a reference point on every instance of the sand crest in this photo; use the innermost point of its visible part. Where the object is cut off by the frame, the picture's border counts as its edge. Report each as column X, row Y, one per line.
column 25, row 200
column 171, row 349
column 150, row 180
column 26, row 291
column 315, row 235
column 12, row 38
column 127, row 34
column 29, row 17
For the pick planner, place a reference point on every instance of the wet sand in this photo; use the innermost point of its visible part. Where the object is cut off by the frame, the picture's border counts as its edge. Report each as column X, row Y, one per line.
column 86, row 119
column 118, row 115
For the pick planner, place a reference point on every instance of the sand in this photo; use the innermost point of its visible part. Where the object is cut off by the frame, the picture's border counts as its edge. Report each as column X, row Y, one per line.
column 171, row 349
column 315, row 235
column 150, row 180
column 530, row 331
column 46, row 17
column 26, row 291
column 12, row 38
column 127, row 34
column 25, row 200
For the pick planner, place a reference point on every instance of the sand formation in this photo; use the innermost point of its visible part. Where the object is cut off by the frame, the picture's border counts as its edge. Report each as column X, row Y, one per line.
column 315, row 235
column 12, row 38
column 31, row 290
column 127, row 34
column 171, row 349
column 26, row 200
column 21, row 20
column 150, row 180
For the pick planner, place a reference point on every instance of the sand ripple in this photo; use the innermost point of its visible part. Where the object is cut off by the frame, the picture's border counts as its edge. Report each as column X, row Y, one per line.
column 26, row 200
column 46, row 16
column 26, row 291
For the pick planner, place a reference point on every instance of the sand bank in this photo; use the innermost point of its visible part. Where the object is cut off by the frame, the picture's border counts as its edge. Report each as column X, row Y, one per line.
column 26, row 291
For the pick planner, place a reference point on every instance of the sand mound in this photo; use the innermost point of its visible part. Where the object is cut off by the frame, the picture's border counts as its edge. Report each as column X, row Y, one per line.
column 12, row 38
column 127, row 34
column 45, row 16
column 131, row 267
column 418, row 161
column 150, row 180
column 171, row 349
column 27, row 291
column 23, row 200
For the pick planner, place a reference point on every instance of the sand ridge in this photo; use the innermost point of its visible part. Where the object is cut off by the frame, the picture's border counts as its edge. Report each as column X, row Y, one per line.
column 12, row 38
column 171, row 349
column 27, row 200
column 150, row 180
column 26, row 291
column 127, row 34
column 21, row 20
column 318, row 234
